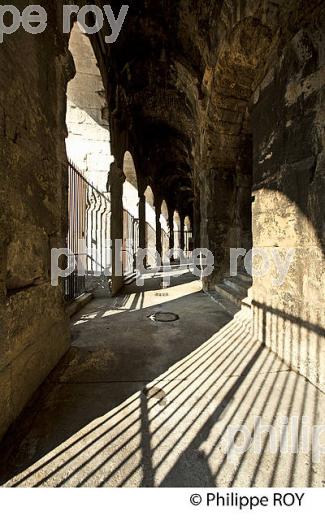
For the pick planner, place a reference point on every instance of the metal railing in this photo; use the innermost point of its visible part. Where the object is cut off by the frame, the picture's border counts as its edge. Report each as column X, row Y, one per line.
column 89, row 231
column 188, row 241
column 130, row 242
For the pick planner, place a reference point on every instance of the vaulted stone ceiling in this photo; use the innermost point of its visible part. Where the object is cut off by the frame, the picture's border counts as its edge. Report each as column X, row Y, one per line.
column 184, row 72
column 158, row 69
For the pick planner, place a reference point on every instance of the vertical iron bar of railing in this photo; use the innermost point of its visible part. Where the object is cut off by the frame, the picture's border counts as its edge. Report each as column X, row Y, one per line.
column 87, row 208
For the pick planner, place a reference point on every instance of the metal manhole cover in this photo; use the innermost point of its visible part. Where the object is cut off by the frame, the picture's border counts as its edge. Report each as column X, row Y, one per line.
column 156, row 393
column 163, row 316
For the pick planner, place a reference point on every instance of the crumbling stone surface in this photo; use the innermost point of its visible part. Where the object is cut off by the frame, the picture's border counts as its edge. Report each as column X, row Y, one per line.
column 33, row 327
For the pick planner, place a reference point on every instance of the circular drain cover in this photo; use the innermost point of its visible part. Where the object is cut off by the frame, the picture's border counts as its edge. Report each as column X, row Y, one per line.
column 164, row 316
column 156, row 393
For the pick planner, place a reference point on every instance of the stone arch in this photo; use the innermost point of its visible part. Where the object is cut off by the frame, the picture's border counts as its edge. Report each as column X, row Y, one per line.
column 150, row 224
column 187, row 223
column 188, row 235
column 150, row 199
column 87, row 119
column 267, row 165
column 130, row 214
column 242, row 56
column 177, row 231
column 164, row 215
column 164, row 228
column 130, row 186
column 129, row 169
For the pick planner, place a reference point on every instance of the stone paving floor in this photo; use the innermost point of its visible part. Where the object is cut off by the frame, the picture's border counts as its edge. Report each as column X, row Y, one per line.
column 137, row 402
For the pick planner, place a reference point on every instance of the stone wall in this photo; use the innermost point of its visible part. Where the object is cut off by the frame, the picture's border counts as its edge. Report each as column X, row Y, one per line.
column 289, row 208
column 263, row 100
column 34, row 72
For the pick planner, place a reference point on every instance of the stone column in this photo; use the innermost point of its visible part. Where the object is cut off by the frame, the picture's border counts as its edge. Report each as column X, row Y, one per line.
column 142, row 219
column 171, row 229
column 158, row 203
column 220, row 192
column 182, row 233
column 142, row 223
column 196, row 221
column 116, row 180
column 244, row 174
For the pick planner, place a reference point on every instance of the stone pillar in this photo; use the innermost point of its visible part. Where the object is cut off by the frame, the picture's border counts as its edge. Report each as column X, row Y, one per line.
column 171, row 229
column 244, row 178
column 220, row 192
column 196, row 220
column 182, row 233
column 116, row 180
column 158, row 203
column 142, row 221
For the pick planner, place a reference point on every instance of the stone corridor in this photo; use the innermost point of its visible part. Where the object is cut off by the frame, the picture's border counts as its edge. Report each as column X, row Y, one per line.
column 137, row 402
column 196, row 136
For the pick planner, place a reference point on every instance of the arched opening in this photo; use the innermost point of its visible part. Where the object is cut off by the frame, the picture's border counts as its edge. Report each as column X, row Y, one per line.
column 228, row 222
column 130, row 215
column 164, row 230
column 188, row 236
column 88, row 140
column 150, row 225
column 89, row 156
column 177, row 234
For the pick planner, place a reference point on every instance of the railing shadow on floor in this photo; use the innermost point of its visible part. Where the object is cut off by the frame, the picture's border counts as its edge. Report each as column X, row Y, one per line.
column 176, row 433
